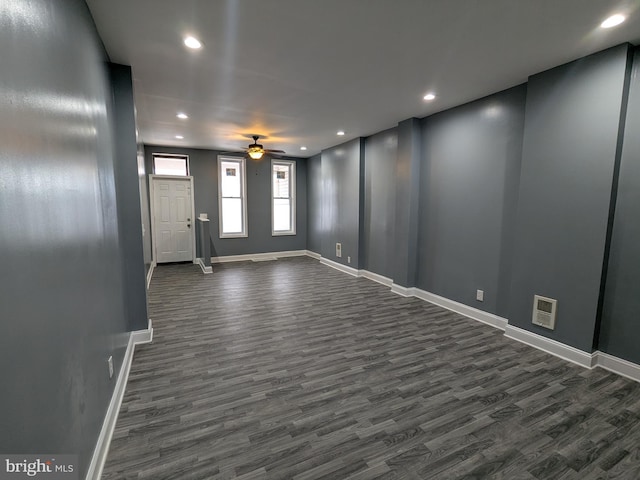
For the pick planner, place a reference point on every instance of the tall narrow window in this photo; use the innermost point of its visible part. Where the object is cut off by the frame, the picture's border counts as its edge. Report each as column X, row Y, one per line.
column 232, row 197
column 283, row 192
column 168, row 164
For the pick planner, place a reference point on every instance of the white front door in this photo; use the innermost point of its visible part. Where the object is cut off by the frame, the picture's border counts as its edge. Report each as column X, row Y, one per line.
column 172, row 219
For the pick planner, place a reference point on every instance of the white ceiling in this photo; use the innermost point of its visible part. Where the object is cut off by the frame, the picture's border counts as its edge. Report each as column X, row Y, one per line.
column 297, row 71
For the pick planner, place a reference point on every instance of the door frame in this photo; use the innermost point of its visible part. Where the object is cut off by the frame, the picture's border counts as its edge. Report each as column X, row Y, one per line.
column 152, row 178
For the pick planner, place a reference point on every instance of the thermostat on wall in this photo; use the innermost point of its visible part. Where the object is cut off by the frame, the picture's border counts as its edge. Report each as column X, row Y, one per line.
column 544, row 311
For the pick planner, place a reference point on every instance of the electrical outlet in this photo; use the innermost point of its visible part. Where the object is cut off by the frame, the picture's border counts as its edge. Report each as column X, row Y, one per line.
column 110, row 363
column 348, row 259
column 339, row 250
column 480, row 295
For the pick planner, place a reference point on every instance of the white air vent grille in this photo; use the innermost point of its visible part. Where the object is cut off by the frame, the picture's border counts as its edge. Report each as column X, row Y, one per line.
column 544, row 312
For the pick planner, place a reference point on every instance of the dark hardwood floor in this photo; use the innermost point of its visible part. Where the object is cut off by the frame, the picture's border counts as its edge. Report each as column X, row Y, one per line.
column 290, row 369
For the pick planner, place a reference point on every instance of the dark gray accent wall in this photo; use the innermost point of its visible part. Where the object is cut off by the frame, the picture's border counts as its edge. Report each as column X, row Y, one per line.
column 380, row 152
column 469, row 186
column 569, row 154
column 127, row 181
column 61, row 292
column 145, row 207
column 516, row 194
column 340, row 201
column 407, row 177
column 203, row 241
column 203, row 166
column 620, row 328
column 314, row 204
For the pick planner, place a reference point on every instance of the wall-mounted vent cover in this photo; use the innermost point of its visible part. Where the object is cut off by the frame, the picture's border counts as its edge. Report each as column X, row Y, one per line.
column 544, row 312
column 338, row 250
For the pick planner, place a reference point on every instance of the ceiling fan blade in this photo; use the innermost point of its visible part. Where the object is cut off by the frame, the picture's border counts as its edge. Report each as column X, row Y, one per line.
column 266, row 150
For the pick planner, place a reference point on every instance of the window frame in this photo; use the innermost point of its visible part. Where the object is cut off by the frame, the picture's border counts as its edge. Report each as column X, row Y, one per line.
column 242, row 161
column 170, row 155
column 292, row 197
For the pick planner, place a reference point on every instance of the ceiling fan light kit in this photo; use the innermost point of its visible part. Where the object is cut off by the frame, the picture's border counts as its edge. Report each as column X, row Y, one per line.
column 256, row 151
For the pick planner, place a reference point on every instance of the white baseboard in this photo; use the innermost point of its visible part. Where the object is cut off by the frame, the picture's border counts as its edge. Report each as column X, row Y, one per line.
column 205, row 269
column 289, row 253
column 258, row 257
column 566, row 352
column 402, row 291
column 553, row 347
column 109, row 424
column 140, row 337
column 338, row 266
column 150, row 274
column 461, row 308
column 387, row 282
column 618, row 365
column 350, row 270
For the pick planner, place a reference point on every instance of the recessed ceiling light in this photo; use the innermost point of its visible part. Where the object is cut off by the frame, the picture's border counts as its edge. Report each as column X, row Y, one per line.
column 340, row 132
column 182, row 115
column 303, row 148
column 193, row 42
column 179, row 137
column 613, row 21
column 429, row 96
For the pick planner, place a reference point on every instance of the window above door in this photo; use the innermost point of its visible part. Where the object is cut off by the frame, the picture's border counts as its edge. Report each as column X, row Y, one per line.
column 169, row 164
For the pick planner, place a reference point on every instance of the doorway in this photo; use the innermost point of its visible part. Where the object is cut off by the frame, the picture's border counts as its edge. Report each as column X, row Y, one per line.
column 172, row 214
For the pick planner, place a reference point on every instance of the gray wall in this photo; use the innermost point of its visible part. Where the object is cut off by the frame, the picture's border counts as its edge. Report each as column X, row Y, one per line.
column 127, row 178
column 145, row 208
column 340, row 201
column 468, row 192
column 516, row 195
column 620, row 329
column 407, row 178
column 569, row 152
column 61, row 293
column 203, row 166
column 314, row 204
column 379, row 202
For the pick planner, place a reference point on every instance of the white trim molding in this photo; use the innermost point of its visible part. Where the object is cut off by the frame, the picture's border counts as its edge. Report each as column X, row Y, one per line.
column 618, row 365
column 242, row 167
column 140, row 337
column 600, row 359
column 387, row 282
column 291, row 192
column 150, row 273
column 471, row 312
column 259, row 257
column 566, row 352
column 206, row 269
column 338, row 266
column 311, row 254
column 553, row 347
column 109, row 424
column 402, row 291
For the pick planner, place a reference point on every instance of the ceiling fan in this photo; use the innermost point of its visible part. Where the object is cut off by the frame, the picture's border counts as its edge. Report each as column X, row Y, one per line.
column 256, row 151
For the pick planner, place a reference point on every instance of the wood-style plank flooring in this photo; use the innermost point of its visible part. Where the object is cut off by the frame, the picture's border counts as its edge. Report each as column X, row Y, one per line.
column 291, row 369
